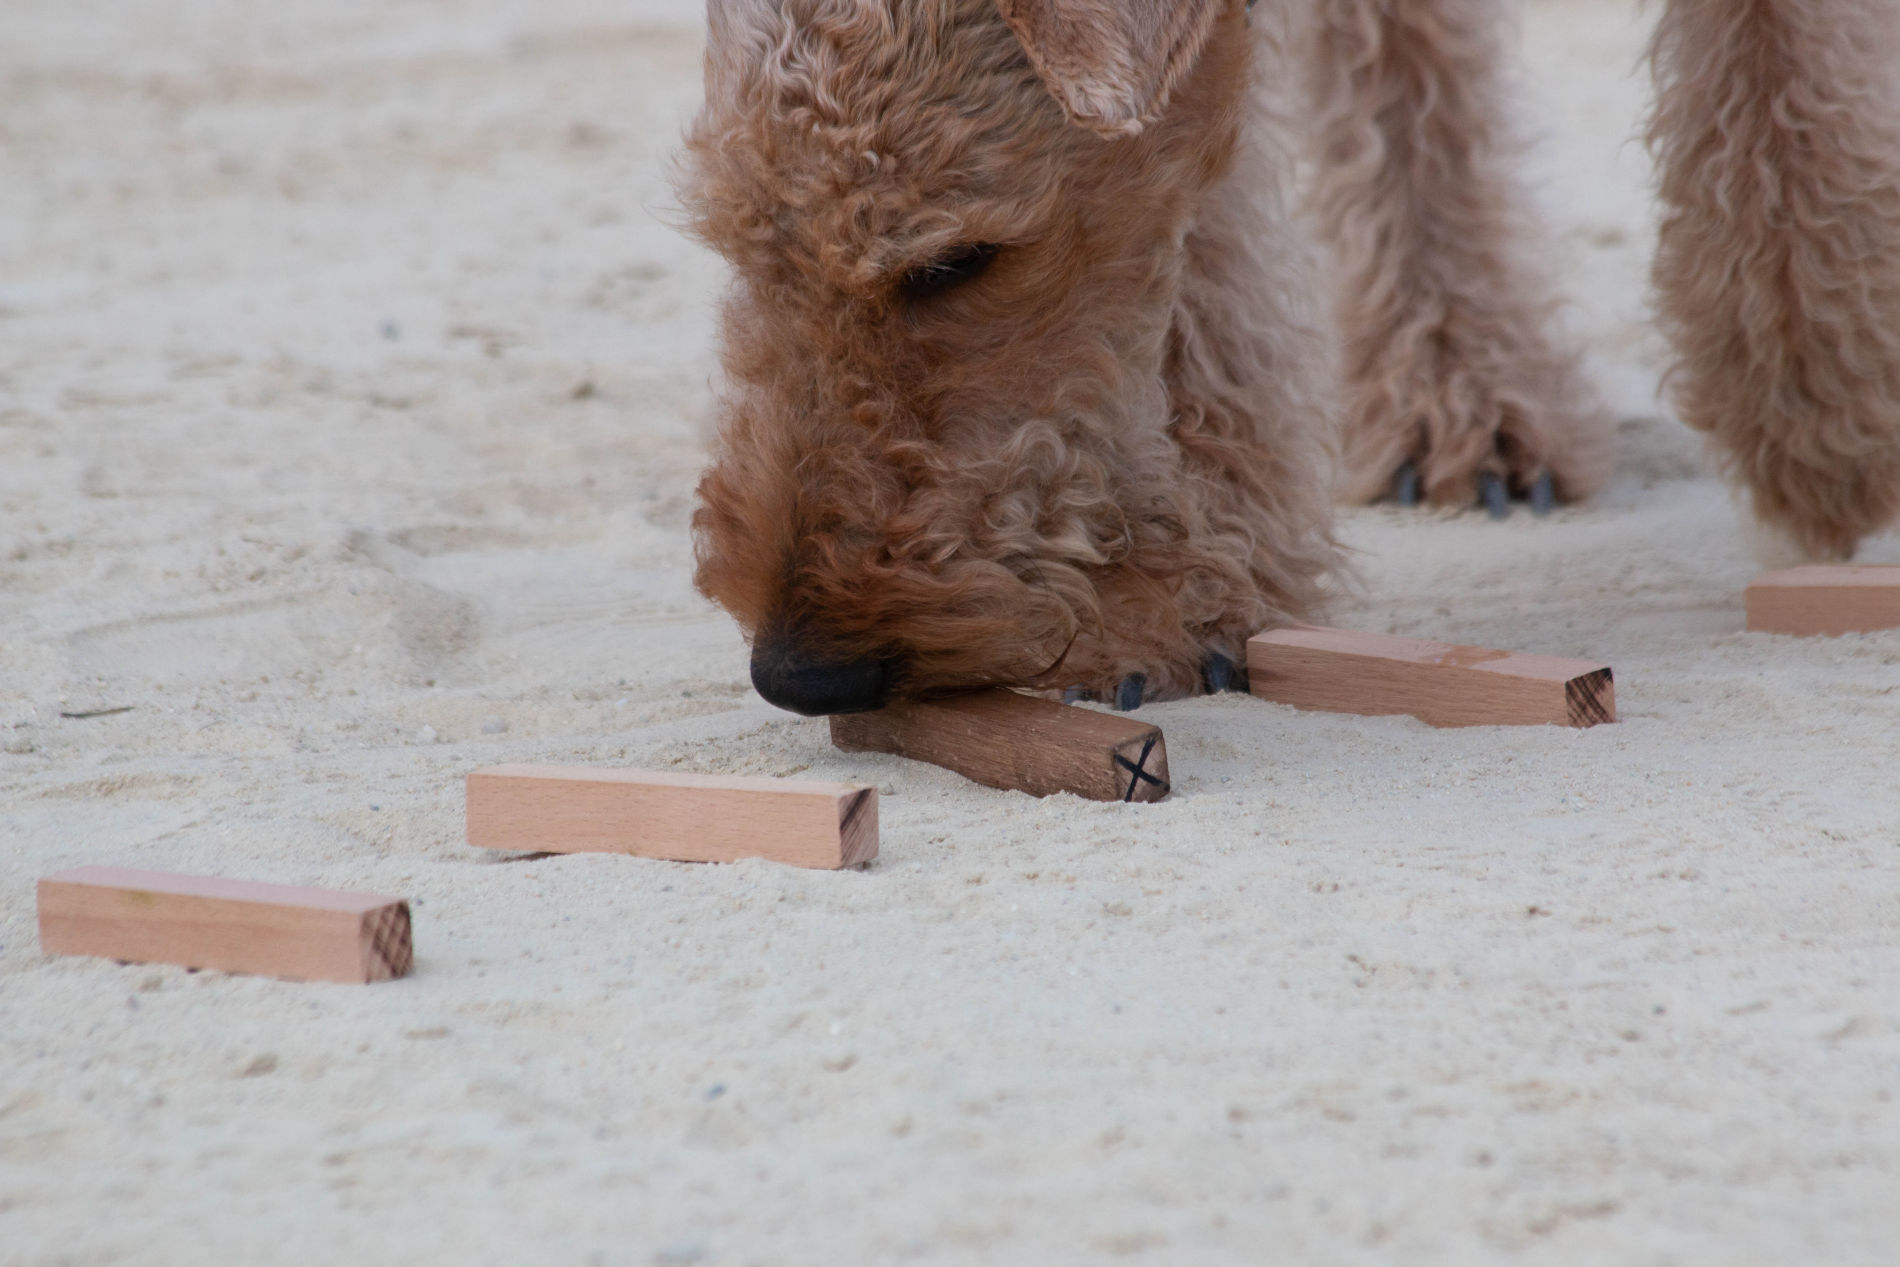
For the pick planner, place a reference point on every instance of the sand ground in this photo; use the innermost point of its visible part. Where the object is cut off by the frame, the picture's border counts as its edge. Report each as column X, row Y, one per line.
column 351, row 385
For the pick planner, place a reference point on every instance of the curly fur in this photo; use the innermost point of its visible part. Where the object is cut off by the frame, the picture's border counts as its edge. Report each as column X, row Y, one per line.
column 1112, row 64
column 1108, row 454
column 1777, row 133
column 1448, row 356
column 1113, row 451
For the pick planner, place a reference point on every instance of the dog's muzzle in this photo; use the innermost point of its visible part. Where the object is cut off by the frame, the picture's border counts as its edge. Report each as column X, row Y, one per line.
column 816, row 688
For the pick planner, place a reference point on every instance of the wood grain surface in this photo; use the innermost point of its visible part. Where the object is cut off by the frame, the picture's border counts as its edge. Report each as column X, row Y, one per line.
column 681, row 817
column 1826, row 600
column 273, row 930
column 1002, row 739
column 1345, row 671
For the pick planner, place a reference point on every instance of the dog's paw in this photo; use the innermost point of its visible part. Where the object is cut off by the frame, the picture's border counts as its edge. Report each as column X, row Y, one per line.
column 1126, row 695
column 1218, row 672
column 1129, row 692
column 1524, row 430
column 1495, row 492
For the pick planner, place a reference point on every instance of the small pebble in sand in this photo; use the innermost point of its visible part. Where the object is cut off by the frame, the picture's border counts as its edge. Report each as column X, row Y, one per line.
column 426, row 735
column 494, row 726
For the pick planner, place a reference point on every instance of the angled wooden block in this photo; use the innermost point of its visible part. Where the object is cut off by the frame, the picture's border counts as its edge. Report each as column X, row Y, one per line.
column 679, row 817
column 270, row 930
column 1018, row 742
column 1343, row 671
column 1826, row 600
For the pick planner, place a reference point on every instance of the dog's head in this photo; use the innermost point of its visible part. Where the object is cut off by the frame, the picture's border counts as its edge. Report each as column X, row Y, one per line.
column 955, row 229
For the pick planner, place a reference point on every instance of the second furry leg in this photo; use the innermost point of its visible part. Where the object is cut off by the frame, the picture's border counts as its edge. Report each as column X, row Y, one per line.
column 1449, row 361
column 1777, row 135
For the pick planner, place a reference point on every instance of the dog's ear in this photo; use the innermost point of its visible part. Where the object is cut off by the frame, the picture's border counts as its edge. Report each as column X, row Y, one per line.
column 1113, row 63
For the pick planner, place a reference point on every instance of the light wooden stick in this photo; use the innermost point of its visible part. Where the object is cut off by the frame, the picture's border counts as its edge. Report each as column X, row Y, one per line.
column 681, row 817
column 1017, row 742
column 272, row 930
column 1343, row 671
column 1826, row 599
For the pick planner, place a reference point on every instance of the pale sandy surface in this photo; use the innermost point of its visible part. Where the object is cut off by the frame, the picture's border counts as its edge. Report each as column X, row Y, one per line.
column 350, row 382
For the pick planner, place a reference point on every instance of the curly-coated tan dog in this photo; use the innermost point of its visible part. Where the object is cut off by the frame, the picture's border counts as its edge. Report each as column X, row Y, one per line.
column 1029, row 377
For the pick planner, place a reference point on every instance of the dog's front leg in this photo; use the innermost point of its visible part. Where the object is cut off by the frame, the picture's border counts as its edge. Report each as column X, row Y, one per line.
column 1455, row 387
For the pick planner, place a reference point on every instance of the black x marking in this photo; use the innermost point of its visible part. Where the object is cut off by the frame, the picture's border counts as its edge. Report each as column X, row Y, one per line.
column 1139, row 769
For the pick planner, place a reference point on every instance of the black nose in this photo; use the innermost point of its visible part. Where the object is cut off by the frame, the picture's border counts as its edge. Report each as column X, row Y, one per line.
column 816, row 687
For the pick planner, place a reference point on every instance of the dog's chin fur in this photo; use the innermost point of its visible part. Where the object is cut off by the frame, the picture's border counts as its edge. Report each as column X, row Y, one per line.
column 1108, row 455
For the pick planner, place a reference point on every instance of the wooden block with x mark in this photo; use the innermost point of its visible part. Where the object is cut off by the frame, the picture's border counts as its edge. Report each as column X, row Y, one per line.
column 1016, row 742
column 1344, row 671
column 269, row 930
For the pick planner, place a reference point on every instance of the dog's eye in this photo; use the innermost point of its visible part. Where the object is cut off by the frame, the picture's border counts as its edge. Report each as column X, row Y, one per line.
column 965, row 264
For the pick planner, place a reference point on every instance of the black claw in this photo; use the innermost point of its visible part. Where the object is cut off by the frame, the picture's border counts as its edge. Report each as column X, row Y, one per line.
column 1217, row 672
column 1492, row 494
column 1405, row 484
column 1543, row 495
column 1128, row 694
column 1074, row 694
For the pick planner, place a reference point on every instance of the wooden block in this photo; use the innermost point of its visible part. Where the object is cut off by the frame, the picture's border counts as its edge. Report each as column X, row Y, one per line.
column 271, row 930
column 1018, row 742
column 1827, row 600
column 1343, row 671
column 681, row 817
